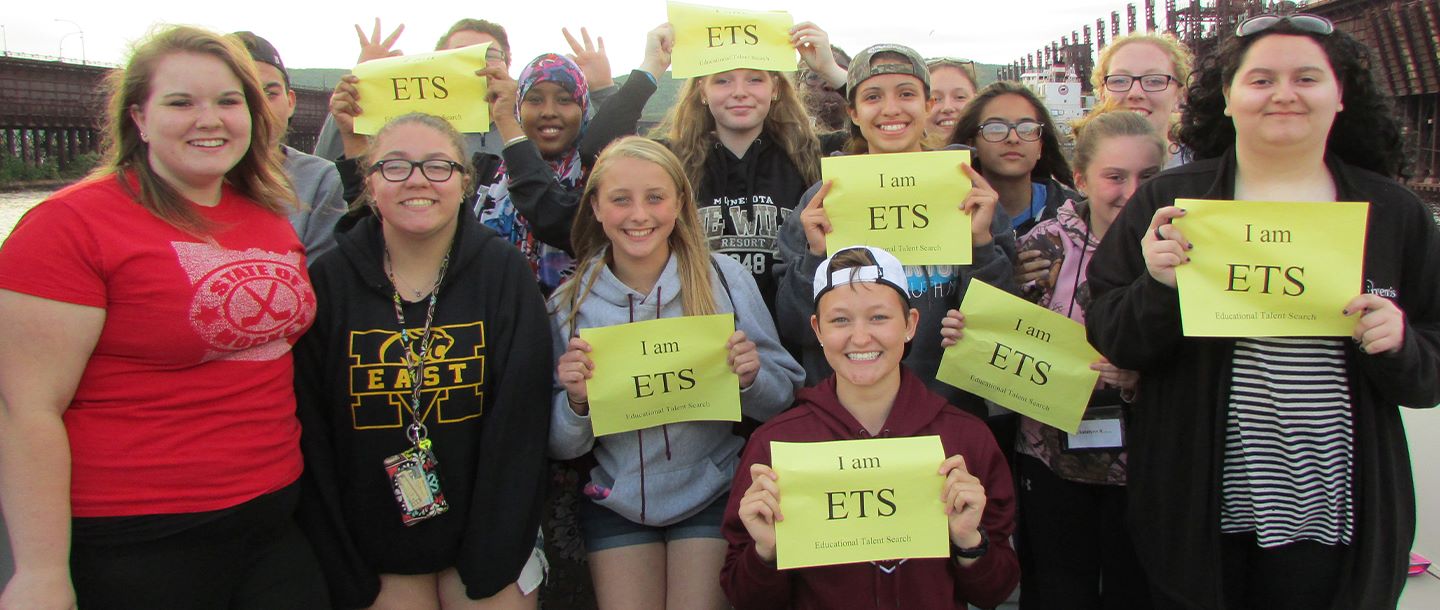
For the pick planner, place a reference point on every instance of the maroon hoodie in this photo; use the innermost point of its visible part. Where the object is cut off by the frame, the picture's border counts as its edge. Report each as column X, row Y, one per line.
column 749, row 582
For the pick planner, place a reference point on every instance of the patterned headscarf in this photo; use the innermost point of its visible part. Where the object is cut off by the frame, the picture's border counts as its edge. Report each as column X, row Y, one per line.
column 551, row 265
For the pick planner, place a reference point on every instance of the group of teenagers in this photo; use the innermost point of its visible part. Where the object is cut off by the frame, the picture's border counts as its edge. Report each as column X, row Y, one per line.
column 235, row 375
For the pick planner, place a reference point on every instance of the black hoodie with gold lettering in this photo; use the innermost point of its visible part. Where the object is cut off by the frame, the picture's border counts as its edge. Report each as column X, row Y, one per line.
column 484, row 385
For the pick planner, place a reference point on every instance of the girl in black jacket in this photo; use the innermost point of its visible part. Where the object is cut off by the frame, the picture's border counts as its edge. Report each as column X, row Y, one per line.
column 1273, row 472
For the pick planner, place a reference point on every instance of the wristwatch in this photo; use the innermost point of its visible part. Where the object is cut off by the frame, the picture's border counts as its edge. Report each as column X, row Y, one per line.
column 974, row 552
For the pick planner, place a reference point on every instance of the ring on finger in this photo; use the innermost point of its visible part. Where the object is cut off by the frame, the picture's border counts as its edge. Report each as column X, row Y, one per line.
column 1158, row 235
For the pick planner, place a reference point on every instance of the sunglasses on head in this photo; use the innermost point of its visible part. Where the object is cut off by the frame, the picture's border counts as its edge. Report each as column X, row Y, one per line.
column 1304, row 22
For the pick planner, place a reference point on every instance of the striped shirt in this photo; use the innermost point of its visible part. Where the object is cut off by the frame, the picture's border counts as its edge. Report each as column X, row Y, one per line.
column 1289, row 445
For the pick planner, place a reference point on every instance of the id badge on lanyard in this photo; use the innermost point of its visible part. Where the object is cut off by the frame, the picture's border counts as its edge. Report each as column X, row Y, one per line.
column 415, row 480
column 1102, row 429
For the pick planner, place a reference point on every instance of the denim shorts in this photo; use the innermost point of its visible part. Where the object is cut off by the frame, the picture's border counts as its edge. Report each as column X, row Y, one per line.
column 604, row 529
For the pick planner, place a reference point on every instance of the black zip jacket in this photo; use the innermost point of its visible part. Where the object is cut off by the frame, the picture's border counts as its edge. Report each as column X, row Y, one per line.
column 1177, row 433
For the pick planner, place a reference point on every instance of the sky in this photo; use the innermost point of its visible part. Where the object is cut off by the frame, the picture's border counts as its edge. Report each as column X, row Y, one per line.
column 319, row 35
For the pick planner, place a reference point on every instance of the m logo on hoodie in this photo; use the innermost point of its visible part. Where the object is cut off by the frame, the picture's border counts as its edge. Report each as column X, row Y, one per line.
column 452, row 378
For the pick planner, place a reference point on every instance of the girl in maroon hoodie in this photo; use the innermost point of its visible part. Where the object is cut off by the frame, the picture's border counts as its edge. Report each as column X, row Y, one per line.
column 863, row 329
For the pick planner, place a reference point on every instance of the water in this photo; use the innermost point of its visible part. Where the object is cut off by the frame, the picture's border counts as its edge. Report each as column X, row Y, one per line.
column 13, row 205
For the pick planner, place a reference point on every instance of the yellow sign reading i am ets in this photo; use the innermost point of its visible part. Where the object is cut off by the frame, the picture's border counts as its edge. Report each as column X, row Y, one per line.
column 442, row 83
column 1270, row 269
column 1023, row 357
column 862, row 500
column 711, row 39
column 906, row 203
column 661, row 372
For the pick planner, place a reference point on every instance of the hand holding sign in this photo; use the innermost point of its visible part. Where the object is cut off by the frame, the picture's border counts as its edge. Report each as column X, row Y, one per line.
column 813, row 44
column 964, row 498
column 980, row 204
column 1381, row 326
column 1164, row 246
column 659, row 43
column 574, row 368
column 744, row 358
column 345, row 106
column 952, row 328
column 760, row 509
column 815, row 221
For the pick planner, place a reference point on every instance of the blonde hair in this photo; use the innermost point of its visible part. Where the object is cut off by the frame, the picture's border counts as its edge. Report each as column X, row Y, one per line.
column 687, row 240
column 1180, row 58
column 1102, row 127
column 259, row 175
column 690, row 128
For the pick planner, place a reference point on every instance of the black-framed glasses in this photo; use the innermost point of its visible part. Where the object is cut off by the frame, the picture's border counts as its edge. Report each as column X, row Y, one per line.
column 1122, row 83
column 399, row 170
column 1304, row 22
column 997, row 130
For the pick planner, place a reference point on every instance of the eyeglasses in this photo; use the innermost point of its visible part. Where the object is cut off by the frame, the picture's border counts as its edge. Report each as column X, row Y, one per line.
column 399, row 170
column 997, row 130
column 1121, row 83
column 1304, row 22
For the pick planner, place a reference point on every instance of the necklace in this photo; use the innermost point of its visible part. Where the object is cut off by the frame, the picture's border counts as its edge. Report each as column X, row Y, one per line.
column 417, row 293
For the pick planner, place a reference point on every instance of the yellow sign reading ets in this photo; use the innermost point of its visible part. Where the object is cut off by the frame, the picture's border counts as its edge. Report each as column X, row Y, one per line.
column 862, row 500
column 906, row 203
column 1023, row 357
column 661, row 372
column 1270, row 269
column 710, row 40
column 442, row 83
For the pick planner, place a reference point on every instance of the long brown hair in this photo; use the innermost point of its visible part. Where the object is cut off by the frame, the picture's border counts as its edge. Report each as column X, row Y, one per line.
column 259, row 175
column 690, row 129
column 687, row 241
column 1051, row 165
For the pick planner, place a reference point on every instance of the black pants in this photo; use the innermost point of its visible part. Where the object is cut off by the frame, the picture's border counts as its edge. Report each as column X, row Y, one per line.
column 251, row 557
column 1075, row 551
column 1299, row 575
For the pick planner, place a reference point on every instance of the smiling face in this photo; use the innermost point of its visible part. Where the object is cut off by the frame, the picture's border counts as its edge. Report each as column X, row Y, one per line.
column 636, row 204
column 863, row 328
column 950, row 90
column 891, row 111
column 1011, row 157
column 417, row 208
column 1284, row 95
column 1117, row 167
column 739, row 100
column 1138, row 59
column 551, row 117
column 196, row 123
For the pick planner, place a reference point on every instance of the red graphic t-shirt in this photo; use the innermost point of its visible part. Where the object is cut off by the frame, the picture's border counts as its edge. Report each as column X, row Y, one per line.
column 187, row 403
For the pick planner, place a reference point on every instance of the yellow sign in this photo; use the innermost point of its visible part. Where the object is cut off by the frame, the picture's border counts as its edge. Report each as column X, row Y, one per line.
column 1023, row 357
column 906, row 203
column 1270, row 269
column 710, row 39
column 865, row 500
column 661, row 372
column 442, row 83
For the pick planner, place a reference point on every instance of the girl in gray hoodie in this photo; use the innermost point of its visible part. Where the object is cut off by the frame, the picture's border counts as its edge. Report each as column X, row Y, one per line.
column 652, row 520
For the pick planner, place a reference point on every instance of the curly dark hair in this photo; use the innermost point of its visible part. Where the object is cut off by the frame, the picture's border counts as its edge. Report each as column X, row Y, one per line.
column 1366, row 134
column 1052, row 163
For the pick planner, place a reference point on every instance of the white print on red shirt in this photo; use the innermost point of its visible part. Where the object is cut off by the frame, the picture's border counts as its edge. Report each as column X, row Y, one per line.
column 247, row 303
